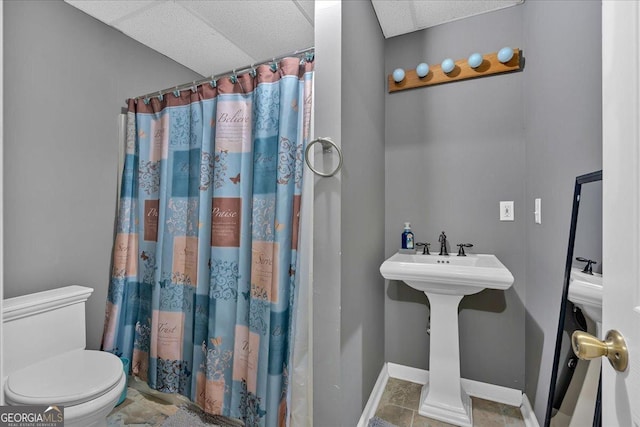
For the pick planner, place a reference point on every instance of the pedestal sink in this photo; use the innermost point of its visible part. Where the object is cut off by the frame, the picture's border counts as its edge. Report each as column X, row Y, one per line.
column 446, row 280
column 585, row 291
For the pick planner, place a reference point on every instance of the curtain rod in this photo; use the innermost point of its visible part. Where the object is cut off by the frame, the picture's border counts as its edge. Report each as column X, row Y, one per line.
column 214, row 77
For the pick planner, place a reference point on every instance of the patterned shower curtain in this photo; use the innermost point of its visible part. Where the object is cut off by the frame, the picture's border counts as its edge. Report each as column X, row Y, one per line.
column 202, row 290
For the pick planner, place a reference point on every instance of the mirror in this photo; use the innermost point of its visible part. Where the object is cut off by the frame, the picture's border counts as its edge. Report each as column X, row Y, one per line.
column 574, row 392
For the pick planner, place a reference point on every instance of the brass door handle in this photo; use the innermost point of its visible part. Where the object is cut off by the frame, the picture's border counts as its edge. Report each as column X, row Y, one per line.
column 614, row 347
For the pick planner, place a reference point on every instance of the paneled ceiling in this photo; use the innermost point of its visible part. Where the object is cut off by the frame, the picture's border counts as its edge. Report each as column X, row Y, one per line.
column 398, row 17
column 210, row 37
column 214, row 36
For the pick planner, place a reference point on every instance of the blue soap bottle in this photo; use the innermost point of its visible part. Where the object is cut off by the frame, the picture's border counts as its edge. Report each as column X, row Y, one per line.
column 407, row 237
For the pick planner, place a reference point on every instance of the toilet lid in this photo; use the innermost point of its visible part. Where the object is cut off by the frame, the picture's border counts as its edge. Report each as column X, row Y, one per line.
column 67, row 379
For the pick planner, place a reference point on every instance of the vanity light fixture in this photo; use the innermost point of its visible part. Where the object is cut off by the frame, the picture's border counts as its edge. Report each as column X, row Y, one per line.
column 506, row 60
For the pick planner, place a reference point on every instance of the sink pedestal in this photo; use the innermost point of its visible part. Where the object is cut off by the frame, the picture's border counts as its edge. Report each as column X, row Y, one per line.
column 442, row 397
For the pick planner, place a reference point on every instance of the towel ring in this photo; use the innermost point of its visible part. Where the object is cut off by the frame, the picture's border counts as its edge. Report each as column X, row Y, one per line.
column 326, row 147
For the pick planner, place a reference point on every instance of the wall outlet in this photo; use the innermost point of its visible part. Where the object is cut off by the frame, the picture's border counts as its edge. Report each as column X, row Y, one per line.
column 506, row 211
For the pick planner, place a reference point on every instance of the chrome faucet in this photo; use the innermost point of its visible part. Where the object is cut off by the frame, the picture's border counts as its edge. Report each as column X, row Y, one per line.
column 425, row 248
column 443, row 244
column 461, row 247
column 587, row 268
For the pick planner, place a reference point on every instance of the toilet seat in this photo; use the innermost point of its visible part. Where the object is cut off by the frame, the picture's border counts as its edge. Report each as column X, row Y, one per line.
column 67, row 379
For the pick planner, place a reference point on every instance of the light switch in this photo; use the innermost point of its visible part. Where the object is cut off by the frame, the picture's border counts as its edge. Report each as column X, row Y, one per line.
column 506, row 211
column 537, row 213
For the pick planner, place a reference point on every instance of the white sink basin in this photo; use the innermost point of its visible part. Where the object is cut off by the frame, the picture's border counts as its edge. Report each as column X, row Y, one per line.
column 446, row 280
column 451, row 274
column 585, row 291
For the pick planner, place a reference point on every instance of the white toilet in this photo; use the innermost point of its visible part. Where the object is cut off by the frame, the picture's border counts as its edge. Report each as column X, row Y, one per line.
column 45, row 361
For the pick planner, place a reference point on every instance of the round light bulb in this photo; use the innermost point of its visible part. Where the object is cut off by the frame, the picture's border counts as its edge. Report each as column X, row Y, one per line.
column 422, row 69
column 474, row 61
column 448, row 65
column 505, row 54
column 398, row 75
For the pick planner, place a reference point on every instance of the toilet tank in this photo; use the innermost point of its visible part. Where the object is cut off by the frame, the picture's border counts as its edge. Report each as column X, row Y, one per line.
column 38, row 326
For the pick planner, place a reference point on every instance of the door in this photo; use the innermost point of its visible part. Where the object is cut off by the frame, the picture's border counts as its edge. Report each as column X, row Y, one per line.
column 621, row 205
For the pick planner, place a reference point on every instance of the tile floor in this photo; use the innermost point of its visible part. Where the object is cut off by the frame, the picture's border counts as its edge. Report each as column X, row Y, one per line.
column 147, row 408
column 400, row 400
column 398, row 405
column 140, row 411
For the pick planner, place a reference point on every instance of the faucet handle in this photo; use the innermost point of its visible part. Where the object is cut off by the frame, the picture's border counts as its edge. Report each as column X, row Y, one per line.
column 425, row 248
column 589, row 267
column 462, row 246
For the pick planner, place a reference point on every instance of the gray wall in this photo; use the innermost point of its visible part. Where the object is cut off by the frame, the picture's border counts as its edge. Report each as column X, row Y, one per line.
column 66, row 78
column 453, row 152
column 348, row 290
column 327, row 372
column 363, row 202
column 563, row 110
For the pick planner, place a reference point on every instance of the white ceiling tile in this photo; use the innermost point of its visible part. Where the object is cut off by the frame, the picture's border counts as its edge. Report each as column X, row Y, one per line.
column 396, row 17
column 308, row 6
column 109, row 11
column 173, row 31
column 436, row 12
column 260, row 28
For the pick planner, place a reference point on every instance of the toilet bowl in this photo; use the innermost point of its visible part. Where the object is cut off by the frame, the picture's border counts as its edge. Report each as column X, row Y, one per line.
column 46, row 362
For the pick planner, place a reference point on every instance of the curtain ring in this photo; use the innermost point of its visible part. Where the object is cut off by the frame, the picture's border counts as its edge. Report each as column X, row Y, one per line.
column 233, row 77
column 327, row 143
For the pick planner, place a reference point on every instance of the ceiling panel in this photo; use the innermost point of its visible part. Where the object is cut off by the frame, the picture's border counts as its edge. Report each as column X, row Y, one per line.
column 399, row 17
column 109, row 11
column 395, row 17
column 210, row 37
column 308, row 7
column 436, row 12
column 257, row 26
column 173, row 31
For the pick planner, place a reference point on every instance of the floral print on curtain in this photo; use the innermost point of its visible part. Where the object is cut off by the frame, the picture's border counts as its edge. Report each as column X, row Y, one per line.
column 204, row 260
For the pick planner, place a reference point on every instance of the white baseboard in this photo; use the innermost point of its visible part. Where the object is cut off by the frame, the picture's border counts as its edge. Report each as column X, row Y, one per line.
column 479, row 389
column 374, row 397
column 529, row 416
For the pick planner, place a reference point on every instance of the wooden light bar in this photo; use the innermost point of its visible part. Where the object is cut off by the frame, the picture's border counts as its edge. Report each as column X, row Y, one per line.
column 462, row 71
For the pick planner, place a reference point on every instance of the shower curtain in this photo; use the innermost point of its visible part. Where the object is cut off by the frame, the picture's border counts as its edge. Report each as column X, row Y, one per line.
column 202, row 297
